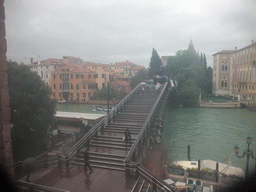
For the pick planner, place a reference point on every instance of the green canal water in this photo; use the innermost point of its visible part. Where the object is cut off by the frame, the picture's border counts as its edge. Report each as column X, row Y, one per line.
column 211, row 133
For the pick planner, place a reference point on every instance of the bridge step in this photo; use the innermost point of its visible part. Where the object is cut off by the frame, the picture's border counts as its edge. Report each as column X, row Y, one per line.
column 107, row 154
column 100, row 166
column 109, row 146
column 92, row 158
column 122, row 128
column 122, row 132
column 108, row 143
column 141, row 185
column 113, row 140
column 124, row 125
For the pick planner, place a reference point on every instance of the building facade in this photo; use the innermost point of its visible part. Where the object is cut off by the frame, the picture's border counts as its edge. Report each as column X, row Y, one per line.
column 234, row 72
column 73, row 83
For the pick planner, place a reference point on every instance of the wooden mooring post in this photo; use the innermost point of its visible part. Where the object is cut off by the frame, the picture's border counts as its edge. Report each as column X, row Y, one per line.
column 189, row 159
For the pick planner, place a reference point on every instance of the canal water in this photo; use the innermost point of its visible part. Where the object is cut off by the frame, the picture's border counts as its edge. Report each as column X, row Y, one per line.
column 211, row 133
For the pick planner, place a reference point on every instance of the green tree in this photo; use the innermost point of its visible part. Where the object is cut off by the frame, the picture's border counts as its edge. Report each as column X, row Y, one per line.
column 32, row 110
column 155, row 65
column 140, row 76
column 102, row 94
column 189, row 69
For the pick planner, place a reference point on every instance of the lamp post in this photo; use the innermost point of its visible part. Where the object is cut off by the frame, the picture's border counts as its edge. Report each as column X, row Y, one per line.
column 246, row 152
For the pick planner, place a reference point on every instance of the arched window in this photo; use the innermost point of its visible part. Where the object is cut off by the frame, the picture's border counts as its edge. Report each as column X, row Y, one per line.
column 224, row 67
column 77, row 86
column 71, row 86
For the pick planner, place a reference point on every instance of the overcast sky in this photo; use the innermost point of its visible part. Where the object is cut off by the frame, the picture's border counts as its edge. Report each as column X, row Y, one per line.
column 109, row 31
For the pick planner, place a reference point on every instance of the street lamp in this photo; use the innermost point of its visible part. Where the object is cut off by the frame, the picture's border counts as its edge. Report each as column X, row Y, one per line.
column 246, row 152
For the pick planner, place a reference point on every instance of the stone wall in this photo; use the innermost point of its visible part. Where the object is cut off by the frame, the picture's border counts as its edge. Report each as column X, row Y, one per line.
column 6, row 155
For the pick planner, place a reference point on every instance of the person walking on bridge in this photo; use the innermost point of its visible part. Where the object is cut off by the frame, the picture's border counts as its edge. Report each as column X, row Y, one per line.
column 86, row 161
column 127, row 137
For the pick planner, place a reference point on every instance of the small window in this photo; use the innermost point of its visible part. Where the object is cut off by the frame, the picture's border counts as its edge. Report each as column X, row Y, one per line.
column 71, row 76
column 71, row 86
column 54, row 77
column 77, row 94
column 63, row 70
column 84, row 94
column 77, row 76
column 82, row 76
column 103, row 75
column 60, row 94
column 95, row 76
column 53, row 94
column 89, row 76
column 54, row 86
column 67, row 70
column 84, row 87
column 77, row 86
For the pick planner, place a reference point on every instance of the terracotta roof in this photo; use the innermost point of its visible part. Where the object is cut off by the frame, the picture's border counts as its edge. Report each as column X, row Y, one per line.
column 52, row 61
column 225, row 52
column 135, row 67
column 166, row 57
column 122, row 64
column 94, row 64
column 120, row 82
column 73, row 69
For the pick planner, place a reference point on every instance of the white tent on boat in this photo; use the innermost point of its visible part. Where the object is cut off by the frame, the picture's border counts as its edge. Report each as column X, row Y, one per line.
column 211, row 165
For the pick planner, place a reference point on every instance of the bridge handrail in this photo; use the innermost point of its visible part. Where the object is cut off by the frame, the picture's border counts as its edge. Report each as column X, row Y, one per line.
column 98, row 126
column 133, row 148
column 158, row 182
column 38, row 187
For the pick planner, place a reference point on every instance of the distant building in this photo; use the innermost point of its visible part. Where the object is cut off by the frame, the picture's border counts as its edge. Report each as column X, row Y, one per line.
column 234, row 72
column 191, row 47
column 73, row 83
column 102, row 73
column 119, row 85
column 125, row 70
column 165, row 59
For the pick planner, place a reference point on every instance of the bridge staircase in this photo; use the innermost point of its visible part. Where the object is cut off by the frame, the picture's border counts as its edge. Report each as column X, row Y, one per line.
column 141, row 185
column 108, row 149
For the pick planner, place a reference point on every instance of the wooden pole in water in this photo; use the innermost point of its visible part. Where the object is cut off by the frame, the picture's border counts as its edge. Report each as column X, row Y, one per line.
column 189, row 153
column 217, row 172
column 199, row 168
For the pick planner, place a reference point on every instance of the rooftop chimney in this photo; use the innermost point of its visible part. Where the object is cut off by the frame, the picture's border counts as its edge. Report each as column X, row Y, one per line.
column 31, row 60
column 235, row 48
column 252, row 41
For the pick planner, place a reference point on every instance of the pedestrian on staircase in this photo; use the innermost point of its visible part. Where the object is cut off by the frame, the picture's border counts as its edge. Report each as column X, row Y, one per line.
column 86, row 161
column 127, row 137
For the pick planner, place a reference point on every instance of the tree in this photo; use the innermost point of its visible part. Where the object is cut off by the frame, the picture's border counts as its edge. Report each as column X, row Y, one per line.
column 155, row 65
column 190, row 70
column 140, row 76
column 102, row 94
column 32, row 110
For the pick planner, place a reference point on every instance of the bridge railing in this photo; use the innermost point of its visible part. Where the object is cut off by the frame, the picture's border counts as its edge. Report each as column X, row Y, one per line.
column 94, row 131
column 37, row 187
column 156, row 182
column 136, row 147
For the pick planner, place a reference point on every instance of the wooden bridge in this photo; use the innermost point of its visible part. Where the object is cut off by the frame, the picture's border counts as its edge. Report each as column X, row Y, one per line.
column 116, row 166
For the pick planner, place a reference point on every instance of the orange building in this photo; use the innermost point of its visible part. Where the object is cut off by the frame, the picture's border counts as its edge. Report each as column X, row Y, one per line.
column 73, row 83
column 102, row 71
